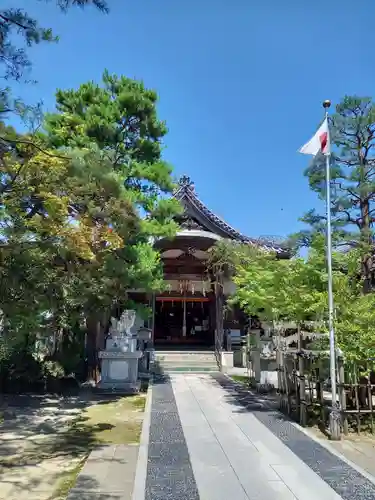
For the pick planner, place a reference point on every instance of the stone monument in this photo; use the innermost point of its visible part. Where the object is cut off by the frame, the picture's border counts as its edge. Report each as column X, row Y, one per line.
column 119, row 371
column 144, row 338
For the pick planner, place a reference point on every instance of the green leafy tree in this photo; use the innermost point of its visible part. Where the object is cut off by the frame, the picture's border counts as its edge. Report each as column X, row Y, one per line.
column 353, row 182
column 118, row 121
column 276, row 289
column 116, row 124
column 79, row 216
column 296, row 290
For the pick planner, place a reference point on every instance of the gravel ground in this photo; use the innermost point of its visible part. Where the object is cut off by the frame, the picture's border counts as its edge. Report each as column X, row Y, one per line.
column 169, row 471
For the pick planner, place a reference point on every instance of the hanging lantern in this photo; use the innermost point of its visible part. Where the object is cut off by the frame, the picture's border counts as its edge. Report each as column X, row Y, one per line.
column 183, row 286
column 193, row 288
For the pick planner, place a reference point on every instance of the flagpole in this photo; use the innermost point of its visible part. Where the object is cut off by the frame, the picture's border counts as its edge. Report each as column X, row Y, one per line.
column 334, row 418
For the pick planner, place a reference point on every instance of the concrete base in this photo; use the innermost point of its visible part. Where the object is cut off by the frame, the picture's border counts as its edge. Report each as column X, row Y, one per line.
column 269, row 378
column 108, row 474
column 119, row 372
column 119, row 387
column 226, row 360
column 239, row 357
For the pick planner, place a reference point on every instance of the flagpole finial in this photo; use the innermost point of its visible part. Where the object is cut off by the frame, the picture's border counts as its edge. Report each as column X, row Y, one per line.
column 326, row 104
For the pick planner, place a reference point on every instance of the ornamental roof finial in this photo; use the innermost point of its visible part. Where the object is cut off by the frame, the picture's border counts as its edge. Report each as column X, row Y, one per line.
column 185, row 182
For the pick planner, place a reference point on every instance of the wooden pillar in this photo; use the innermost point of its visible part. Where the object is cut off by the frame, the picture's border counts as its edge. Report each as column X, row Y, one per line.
column 342, row 395
column 279, row 363
column 153, row 307
column 219, row 301
column 255, row 355
column 302, row 385
column 184, row 317
column 212, row 317
column 220, row 322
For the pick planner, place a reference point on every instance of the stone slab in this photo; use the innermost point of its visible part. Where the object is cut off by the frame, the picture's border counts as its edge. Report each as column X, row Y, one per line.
column 236, row 458
column 141, row 472
column 306, row 456
column 95, row 495
column 109, row 472
column 119, row 387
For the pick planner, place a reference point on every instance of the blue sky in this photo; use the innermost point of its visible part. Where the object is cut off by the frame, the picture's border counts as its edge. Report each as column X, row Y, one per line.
column 240, row 84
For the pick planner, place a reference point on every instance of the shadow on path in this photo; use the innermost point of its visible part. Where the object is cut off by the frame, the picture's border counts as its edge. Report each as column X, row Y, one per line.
column 43, row 438
column 346, row 481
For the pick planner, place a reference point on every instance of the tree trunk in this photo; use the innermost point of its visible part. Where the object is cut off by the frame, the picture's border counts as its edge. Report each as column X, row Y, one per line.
column 367, row 262
column 219, row 299
column 97, row 325
column 365, row 230
column 93, row 334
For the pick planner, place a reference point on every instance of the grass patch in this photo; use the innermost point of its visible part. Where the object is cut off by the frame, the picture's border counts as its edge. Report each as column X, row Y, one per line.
column 111, row 420
column 139, row 402
column 117, row 422
column 242, row 379
column 106, row 422
column 67, row 481
column 250, row 382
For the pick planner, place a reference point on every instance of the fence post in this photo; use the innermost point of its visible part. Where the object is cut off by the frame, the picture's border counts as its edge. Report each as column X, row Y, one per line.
column 302, row 385
column 256, row 356
column 342, row 395
column 279, row 363
column 248, row 354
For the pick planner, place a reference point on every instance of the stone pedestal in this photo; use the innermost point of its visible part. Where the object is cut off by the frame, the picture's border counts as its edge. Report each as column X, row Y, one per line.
column 119, row 371
column 226, row 360
column 121, row 344
column 144, row 339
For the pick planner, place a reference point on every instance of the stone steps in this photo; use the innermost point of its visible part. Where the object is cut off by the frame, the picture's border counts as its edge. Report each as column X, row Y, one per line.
column 185, row 361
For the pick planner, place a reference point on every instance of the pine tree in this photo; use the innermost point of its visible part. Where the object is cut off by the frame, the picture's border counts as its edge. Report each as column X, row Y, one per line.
column 353, row 182
column 116, row 125
column 18, row 31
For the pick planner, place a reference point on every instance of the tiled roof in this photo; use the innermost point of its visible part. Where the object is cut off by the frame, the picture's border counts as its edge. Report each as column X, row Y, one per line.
column 186, row 193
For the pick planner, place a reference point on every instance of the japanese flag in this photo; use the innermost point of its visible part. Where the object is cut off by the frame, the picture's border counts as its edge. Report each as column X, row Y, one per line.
column 319, row 143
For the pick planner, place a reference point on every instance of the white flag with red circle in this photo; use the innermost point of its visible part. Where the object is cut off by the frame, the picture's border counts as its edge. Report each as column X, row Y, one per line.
column 319, row 143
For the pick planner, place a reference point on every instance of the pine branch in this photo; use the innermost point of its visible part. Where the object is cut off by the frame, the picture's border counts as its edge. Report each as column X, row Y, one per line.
column 30, row 143
column 13, row 21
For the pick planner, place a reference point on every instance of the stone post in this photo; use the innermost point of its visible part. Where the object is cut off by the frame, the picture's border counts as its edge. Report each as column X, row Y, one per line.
column 255, row 355
column 342, row 395
column 302, row 385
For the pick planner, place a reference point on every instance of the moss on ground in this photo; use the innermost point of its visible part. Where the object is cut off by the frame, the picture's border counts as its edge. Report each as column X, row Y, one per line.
column 242, row 379
column 66, row 481
column 108, row 421
column 118, row 422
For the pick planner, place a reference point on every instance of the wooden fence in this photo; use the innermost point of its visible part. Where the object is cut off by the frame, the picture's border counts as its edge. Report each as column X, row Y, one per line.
column 304, row 386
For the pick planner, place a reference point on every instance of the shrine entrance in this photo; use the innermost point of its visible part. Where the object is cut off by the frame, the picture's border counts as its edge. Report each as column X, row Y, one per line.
column 184, row 321
column 189, row 311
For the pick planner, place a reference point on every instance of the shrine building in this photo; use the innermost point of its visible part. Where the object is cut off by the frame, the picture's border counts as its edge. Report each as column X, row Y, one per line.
column 191, row 313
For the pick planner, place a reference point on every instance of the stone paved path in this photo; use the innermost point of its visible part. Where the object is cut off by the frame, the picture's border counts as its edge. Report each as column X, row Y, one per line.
column 207, row 439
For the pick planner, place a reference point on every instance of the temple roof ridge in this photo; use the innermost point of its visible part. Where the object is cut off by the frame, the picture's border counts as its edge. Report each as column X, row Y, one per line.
column 186, row 190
